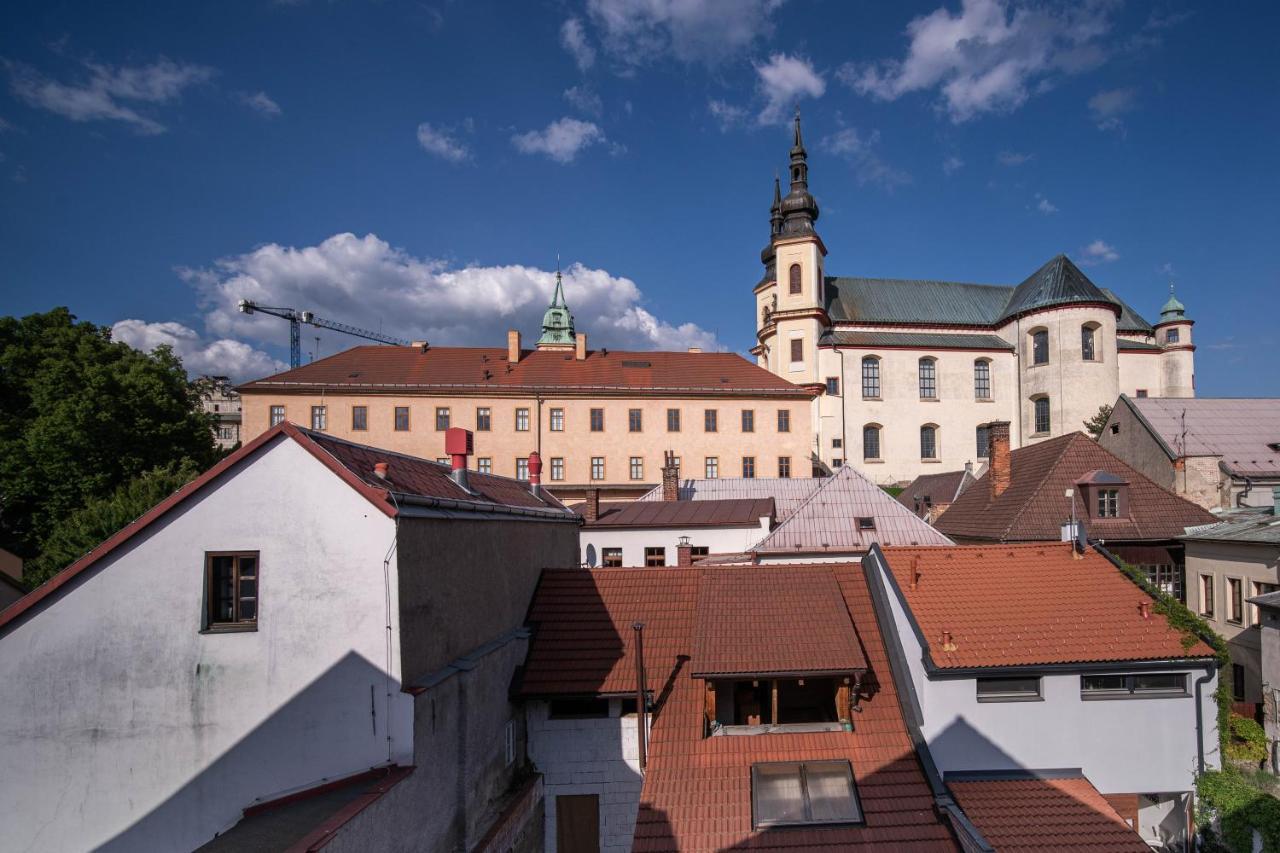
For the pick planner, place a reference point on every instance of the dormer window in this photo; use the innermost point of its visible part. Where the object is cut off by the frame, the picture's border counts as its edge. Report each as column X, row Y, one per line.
column 1108, row 503
column 1105, row 495
column 759, row 706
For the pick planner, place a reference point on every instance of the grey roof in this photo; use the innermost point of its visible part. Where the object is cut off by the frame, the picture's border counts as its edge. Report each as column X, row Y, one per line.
column 895, row 300
column 941, row 488
column 788, row 493
column 828, row 520
column 1267, row 599
column 1238, row 430
column 1130, row 320
column 1126, row 343
column 1257, row 525
column 1059, row 282
column 735, row 512
column 916, row 340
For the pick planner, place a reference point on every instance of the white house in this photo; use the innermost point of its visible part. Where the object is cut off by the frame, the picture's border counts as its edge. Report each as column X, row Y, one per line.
column 309, row 616
column 1034, row 658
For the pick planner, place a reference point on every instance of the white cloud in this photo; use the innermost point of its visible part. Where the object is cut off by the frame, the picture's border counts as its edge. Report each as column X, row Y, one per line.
column 561, row 140
column 221, row 357
column 442, row 143
column 573, row 38
column 988, row 58
column 263, row 103
column 726, row 115
column 1107, row 106
column 635, row 32
column 102, row 96
column 368, row 283
column 1098, row 252
column 585, row 100
column 783, row 80
column 1045, row 206
column 1013, row 158
column 862, row 152
column 952, row 164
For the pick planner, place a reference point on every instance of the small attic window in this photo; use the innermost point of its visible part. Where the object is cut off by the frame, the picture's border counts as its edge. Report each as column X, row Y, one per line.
column 1274, row 447
column 866, row 523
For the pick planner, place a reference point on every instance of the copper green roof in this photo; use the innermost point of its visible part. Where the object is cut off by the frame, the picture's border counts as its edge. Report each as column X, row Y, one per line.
column 915, row 340
column 1173, row 309
column 557, row 322
column 1059, row 282
column 1130, row 320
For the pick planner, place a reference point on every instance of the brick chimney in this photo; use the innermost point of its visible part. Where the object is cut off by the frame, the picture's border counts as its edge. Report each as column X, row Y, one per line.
column 513, row 346
column 670, row 477
column 684, row 552
column 1000, row 464
column 591, row 509
column 580, row 346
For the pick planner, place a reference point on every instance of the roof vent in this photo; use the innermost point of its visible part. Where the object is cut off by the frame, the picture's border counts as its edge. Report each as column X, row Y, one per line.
column 637, row 364
column 947, row 644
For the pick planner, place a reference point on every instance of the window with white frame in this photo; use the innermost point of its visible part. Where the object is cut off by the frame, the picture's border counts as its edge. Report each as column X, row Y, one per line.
column 870, row 378
column 319, row 418
column 1145, row 684
column 712, row 467
column 597, row 467
column 637, row 467
column 928, row 379
column 1206, row 595
column 277, row 415
column 522, row 420
column 557, row 420
column 557, row 468
column 982, row 379
column 484, row 465
column 522, row 468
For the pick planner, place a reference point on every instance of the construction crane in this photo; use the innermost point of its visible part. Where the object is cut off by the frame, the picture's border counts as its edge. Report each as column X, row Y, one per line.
column 297, row 318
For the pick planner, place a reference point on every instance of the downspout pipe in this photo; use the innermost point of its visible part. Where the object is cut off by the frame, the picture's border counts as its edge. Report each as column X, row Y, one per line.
column 1209, row 671
column 642, row 715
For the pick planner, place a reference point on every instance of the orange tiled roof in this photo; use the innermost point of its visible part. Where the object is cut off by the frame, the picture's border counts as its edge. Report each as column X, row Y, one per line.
column 1045, row 814
column 485, row 371
column 1026, row 604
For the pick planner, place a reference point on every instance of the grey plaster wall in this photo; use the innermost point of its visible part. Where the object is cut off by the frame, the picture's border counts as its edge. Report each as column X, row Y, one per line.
column 1135, row 444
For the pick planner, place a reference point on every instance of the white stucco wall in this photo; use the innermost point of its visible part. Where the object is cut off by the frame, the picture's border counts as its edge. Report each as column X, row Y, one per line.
column 721, row 540
column 589, row 756
column 123, row 727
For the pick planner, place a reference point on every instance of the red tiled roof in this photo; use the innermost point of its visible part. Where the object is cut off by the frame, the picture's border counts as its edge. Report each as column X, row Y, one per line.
column 484, row 371
column 726, row 513
column 697, row 791
column 353, row 463
column 1034, row 505
column 1045, row 814
column 764, row 620
column 1026, row 604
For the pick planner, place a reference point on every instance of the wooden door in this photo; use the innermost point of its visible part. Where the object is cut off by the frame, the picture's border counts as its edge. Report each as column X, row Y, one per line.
column 578, row 823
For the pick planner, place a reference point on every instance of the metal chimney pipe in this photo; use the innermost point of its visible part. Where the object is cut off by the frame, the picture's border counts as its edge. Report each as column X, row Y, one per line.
column 642, row 734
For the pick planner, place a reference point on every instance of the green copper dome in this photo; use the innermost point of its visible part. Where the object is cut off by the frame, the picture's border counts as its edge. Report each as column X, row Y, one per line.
column 557, row 322
column 1173, row 309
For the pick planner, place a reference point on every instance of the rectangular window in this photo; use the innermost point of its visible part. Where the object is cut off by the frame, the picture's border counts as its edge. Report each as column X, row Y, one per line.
column 784, row 420
column 984, row 441
column 871, row 378
column 870, row 442
column 797, row 350
column 712, row 467
column 673, row 420
column 1108, row 503
column 1237, row 682
column 928, row 443
column 231, row 590
column 748, row 420
column 1009, row 689
column 796, row 793
column 522, row 420
column 319, row 418
column 442, row 419
column 1171, row 336
column 710, row 420
column 928, row 379
column 635, row 420
column 484, row 419
column 1041, row 405
column 1206, row 595
column 577, row 709
column 982, row 380
column 597, row 420
column 444, row 460
column 277, row 415
column 402, row 418
column 1255, row 613
column 611, row 558
column 749, row 467
column 557, row 468
column 833, row 386
column 557, row 420
column 1142, row 394
column 1086, row 343
column 867, row 522
column 655, row 556
column 637, row 467
column 1165, row 577
column 784, row 466
column 484, row 465
column 597, row 467
column 522, row 468
column 1143, row 684
column 359, row 418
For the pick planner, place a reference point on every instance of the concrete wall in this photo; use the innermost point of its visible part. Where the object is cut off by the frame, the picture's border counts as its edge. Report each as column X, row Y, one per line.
column 1128, row 438
column 1140, row 370
column 589, row 756
column 721, row 540
column 124, row 727
column 469, row 581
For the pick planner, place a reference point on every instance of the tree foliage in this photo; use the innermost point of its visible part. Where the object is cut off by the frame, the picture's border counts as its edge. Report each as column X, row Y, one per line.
column 83, row 415
column 1095, row 424
column 1229, row 809
column 88, row 526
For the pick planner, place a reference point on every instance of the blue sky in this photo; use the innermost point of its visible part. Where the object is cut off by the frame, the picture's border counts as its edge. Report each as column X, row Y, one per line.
column 417, row 167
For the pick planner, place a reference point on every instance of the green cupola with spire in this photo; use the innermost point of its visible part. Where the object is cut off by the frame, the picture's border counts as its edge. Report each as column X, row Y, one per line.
column 557, row 322
column 1173, row 310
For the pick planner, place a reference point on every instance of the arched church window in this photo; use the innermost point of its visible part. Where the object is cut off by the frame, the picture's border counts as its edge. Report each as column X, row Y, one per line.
column 795, row 278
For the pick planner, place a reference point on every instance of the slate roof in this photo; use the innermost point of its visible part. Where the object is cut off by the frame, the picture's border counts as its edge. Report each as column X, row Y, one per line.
column 718, row 513
column 1139, row 346
column 808, row 627
column 941, row 488
column 1269, row 599
column 828, row 520
column 915, row 340
column 484, row 371
column 946, row 303
column 1238, row 430
column 1034, row 505
column 1049, row 812
column 1258, row 525
column 1028, row 604
column 788, row 493
column 697, row 790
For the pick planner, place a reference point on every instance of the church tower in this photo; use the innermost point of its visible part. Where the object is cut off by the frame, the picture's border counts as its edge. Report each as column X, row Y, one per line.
column 557, row 322
column 1177, row 352
column 790, row 306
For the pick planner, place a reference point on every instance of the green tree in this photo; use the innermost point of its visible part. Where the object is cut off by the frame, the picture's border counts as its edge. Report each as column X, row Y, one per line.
column 81, row 415
column 1095, row 424
column 85, row 528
